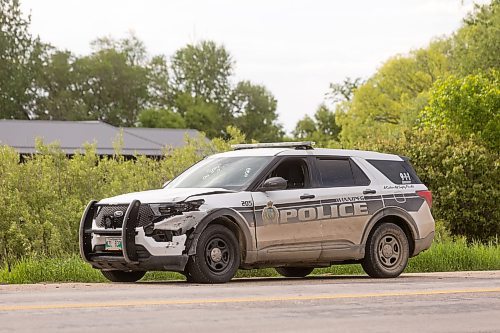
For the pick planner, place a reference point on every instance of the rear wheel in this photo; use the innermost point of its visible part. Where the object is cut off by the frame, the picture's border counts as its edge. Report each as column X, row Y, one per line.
column 121, row 276
column 387, row 252
column 294, row 271
column 217, row 256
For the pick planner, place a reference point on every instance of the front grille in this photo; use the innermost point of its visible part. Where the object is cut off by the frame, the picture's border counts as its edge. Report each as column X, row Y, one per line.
column 107, row 212
column 146, row 216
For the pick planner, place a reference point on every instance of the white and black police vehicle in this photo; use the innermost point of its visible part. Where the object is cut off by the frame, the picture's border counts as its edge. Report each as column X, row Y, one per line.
column 283, row 205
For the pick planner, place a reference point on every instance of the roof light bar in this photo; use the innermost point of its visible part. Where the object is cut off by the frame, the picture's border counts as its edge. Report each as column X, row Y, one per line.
column 296, row 145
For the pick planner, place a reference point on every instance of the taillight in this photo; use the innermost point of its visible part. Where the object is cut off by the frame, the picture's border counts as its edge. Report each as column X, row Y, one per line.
column 427, row 195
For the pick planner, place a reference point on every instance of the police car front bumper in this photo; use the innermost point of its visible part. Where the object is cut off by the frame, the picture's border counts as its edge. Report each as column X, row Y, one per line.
column 138, row 252
column 153, row 263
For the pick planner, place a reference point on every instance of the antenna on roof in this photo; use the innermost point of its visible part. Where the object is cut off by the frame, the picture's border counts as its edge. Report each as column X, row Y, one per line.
column 297, row 145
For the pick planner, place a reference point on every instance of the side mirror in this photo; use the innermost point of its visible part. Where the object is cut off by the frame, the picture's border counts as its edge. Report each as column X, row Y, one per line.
column 274, row 184
column 166, row 183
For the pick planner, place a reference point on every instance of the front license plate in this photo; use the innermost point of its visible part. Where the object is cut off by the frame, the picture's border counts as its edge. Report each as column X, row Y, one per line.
column 113, row 244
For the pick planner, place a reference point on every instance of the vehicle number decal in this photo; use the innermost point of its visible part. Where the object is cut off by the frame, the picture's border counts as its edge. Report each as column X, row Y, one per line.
column 405, row 177
column 246, row 203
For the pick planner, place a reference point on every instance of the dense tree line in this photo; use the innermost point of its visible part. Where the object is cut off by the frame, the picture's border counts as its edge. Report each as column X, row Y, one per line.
column 451, row 84
column 120, row 83
column 438, row 105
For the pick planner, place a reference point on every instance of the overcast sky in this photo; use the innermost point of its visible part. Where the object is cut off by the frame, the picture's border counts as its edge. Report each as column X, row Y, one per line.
column 295, row 48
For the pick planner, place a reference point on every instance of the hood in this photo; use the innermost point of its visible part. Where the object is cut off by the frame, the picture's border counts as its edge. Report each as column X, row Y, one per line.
column 162, row 195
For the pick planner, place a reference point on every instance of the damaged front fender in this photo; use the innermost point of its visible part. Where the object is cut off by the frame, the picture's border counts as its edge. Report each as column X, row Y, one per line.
column 227, row 215
column 180, row 224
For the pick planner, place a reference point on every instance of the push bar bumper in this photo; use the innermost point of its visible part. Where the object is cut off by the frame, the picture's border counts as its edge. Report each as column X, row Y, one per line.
column 129, row 258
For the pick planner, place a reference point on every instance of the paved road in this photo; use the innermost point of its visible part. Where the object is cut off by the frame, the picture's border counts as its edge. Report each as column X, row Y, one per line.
column 436, row 302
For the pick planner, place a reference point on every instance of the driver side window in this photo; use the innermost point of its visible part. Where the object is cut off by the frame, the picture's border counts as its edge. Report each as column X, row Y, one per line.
column 295, row 171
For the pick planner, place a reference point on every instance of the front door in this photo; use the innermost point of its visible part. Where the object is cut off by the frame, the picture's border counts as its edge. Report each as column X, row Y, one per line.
column 287, row 228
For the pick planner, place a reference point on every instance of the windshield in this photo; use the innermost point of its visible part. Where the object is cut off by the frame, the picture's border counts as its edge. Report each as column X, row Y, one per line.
column 231, row 173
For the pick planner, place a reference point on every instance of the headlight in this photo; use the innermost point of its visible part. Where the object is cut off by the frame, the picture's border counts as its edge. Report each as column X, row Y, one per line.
column 176, row 208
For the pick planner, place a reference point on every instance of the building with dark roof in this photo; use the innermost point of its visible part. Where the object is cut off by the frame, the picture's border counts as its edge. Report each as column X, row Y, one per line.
column 72, row 135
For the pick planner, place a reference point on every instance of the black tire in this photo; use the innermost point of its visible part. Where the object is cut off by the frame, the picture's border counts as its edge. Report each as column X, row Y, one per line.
column 217, row 256
column 297, row 272
column 121, row 276
column 387, row 252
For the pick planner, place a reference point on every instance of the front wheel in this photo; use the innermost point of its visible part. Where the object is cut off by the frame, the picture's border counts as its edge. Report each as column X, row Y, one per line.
column 387, row 252
column 294, row 271
column 217, row 256
column 121, row 276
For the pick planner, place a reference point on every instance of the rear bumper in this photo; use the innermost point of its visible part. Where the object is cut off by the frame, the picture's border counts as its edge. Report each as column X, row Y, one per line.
column 423, row 244
column 133, row 257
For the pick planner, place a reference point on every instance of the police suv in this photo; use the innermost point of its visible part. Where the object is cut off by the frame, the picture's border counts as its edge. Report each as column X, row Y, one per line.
column 282, row 205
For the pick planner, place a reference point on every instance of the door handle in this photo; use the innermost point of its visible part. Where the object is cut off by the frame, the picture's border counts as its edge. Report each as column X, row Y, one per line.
column 369, row 191
column 307, row 196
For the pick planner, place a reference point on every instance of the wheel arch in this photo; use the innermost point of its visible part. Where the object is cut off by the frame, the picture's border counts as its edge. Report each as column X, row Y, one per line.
column 231, row 220
column 398, row 217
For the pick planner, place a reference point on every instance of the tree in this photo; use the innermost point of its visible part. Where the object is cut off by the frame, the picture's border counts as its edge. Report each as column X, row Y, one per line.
column 200, row 90
column 305, row 128
column 161, row 118
column 323, row 129
column 131, row 46
column 114, row 81
column 202, row 71
column 476, row 46
column 160, row 93
column 341, row 92
column 119, row 80
column 325, row 122
column 20, row 61
column 110, row 84
column 60, row 89
column 255, row 112
column 204, row 117
column 465, row 106
column 201, row 115
column 391, row 100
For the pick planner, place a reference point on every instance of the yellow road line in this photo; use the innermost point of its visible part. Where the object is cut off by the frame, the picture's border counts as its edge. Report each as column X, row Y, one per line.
column 137, row 303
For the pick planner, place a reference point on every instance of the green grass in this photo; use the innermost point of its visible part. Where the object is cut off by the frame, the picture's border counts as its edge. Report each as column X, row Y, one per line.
column 443, row 256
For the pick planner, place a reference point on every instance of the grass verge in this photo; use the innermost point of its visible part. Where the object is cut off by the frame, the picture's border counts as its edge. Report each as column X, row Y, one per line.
column 444, row 256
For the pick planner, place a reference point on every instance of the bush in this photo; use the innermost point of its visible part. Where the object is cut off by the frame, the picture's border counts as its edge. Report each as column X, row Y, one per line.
column 465, row 106
column 463, row 175
column 45, row 195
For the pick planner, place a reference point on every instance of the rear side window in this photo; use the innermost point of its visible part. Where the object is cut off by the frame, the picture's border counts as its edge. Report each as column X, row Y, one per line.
column 360, row 179
column 340, row 173
column 398, row 172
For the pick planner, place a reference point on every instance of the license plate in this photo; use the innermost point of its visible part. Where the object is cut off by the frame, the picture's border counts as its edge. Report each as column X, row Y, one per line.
column 113, row 244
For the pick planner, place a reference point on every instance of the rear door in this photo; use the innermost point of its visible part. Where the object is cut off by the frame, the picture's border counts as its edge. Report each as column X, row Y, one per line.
column 347, row 203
